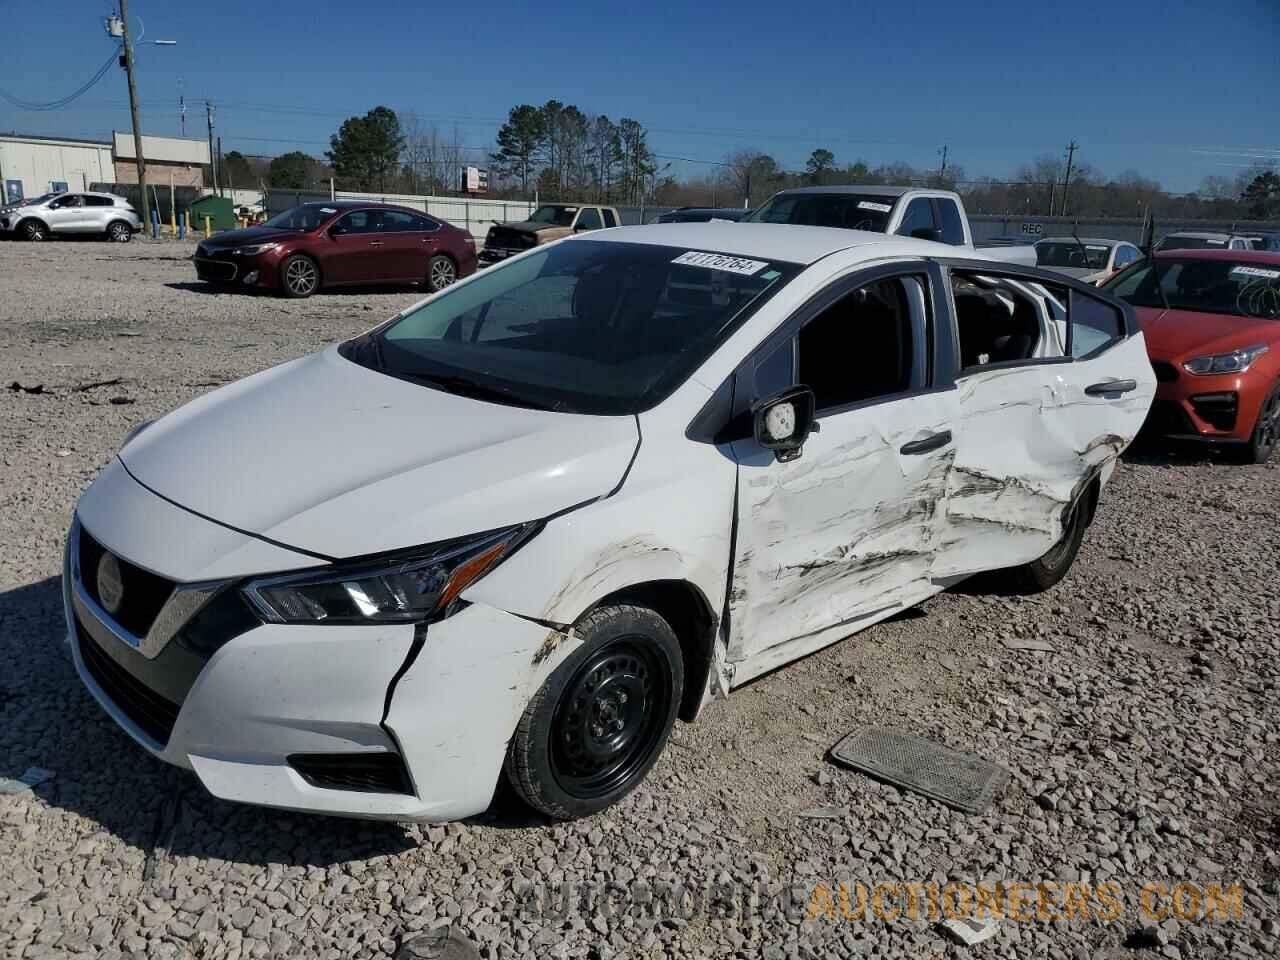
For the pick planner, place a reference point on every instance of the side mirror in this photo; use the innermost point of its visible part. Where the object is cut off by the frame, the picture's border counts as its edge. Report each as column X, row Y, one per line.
column 783, row 422
column 336, row 231
column 927, row 233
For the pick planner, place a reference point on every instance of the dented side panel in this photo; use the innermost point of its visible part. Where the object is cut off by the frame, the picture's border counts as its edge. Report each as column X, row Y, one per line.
column 846, row 530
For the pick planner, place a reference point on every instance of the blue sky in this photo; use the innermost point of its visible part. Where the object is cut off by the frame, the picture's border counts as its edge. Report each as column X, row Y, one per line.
column 1175, row 89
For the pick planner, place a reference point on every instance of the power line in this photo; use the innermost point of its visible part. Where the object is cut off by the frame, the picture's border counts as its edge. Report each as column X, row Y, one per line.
column 69, row 98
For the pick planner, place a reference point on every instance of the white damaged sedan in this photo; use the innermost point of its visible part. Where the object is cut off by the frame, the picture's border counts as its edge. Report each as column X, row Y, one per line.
column 525, row 525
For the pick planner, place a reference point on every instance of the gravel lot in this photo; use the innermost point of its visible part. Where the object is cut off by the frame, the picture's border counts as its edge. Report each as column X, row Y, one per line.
column 1144, row 749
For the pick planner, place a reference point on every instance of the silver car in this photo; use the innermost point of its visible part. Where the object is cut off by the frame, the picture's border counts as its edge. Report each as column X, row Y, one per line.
column 102, row 214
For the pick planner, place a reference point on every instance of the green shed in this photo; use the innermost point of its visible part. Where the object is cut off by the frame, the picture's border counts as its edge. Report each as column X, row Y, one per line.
column 220, row 211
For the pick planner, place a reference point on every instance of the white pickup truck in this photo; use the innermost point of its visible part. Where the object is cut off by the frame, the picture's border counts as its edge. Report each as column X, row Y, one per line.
column 906, row 211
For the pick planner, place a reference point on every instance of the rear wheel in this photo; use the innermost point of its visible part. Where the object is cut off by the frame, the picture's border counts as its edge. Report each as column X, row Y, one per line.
column 600, row 721
column 1040, row 575
column 1266, row 432
column 119, row 232
column 34, row 230
column 299, row 276
column 441, row 272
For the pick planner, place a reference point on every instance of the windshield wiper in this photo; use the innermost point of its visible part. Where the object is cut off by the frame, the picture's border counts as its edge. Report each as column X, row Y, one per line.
column 466, row 387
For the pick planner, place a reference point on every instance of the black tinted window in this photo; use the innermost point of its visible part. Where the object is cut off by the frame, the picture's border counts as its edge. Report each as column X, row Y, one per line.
column 98, row 202
column 589, row 219
column 860, row 347
column 848, row 210
column 918, row 219
column 609, row 219
column 358, row 221
column 951, row 225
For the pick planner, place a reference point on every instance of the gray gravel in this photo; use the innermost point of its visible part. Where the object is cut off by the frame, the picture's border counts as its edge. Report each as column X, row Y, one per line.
column 1144, row 749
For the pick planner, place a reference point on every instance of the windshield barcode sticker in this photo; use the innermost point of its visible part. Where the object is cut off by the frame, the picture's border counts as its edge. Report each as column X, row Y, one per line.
column 872, row 205
column 719, row 261
column 1256, row 272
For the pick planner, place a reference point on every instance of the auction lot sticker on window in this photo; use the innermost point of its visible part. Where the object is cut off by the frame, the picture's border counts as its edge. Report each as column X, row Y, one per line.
column 719, row 261
column 1255, row 272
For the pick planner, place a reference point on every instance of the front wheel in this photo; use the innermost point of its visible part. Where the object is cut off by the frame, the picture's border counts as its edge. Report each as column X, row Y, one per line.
column 1039, row 575
column 119, row 232
column 35, row 231
column 1266, row 432
column 441, row 272
column 299, row 276
column 600, row 721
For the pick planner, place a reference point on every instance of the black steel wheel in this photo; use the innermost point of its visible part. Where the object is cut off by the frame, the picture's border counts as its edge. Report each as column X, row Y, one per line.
column 1266, row 432
column 119, row 232
column 441, row 272
column 299, row 276
column 602, row 717
column 34, row 230
column 1039, row 575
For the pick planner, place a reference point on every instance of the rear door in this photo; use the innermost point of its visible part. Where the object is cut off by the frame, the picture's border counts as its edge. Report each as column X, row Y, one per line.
column 406, row 246
column 98, row 211
column 845, row 534
column 1053, row 384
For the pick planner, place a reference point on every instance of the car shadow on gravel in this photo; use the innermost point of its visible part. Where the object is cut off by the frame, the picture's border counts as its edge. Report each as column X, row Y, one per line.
column 49, row 720
column 1151, row 451
column 209, row 289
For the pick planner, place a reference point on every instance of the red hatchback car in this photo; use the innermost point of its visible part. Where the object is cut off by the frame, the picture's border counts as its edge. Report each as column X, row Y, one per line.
column 331, row 244
column 1211, row 319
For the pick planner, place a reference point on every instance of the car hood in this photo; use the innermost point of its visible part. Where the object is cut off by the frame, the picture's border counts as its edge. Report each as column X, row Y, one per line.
column 544, row 230
column 324, row 455
column 234, row 238
column 1176, row 333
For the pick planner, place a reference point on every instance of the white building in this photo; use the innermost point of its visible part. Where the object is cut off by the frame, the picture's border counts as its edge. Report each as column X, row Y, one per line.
column 30, row 166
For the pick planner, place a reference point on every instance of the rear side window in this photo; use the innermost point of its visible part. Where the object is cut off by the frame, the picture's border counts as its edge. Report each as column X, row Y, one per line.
column 1092, row 324
column 1003, row 320
column 949, row 222
column 609, row 219
column 98, row 201
column 862, row 347
column 396, row 221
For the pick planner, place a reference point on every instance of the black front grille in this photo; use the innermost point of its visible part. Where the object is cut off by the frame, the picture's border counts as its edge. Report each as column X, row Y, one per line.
column 152, row 713
column 1169, row 418
column 144, row 593
column 215, row 270
column 511, row 239
column 1165, row 372
column 366, row 772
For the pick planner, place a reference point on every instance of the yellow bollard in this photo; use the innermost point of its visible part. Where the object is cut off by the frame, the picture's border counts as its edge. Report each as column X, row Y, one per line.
column 173, row 221
column 208, row 230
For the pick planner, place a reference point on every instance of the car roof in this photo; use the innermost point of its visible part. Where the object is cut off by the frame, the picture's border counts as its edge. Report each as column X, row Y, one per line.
column 870, row 190
column 1269, row 257
column 1094, row 240
column 784, row 242
column 361, row 205
column 1200, row 235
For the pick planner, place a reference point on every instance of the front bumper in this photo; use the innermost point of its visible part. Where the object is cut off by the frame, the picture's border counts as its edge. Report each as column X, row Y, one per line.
column 1221, row 408
column 497, row 254
column 223, row 268
column 257, row 718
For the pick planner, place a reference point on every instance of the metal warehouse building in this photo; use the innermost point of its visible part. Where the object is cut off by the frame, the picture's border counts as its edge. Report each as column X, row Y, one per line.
column 30, row 166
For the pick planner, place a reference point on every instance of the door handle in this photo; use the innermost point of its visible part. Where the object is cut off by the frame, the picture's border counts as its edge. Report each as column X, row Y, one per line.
column 375, row 243
column 932, row 442
column 1110, row 386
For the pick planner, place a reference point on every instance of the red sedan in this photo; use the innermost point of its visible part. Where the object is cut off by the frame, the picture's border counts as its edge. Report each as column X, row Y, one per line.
column 332, row 244
column 1211, row 319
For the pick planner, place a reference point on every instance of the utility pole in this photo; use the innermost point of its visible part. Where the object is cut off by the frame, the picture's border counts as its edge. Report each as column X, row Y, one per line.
column 942, row 171
column 213, row 160
column 133, row 109
column 1072, row 147
column 182, row 114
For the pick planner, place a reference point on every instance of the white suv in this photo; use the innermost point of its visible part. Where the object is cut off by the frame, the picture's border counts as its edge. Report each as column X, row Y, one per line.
column 72, row 213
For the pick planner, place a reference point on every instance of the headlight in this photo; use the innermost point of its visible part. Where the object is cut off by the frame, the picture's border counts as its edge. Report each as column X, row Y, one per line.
column 410, row 586
column 1237, row 361
column 253, row 249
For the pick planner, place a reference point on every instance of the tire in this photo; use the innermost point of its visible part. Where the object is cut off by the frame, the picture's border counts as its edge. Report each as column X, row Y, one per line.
column 441, row 272
column 119, row 232
column 600, row 721
column 299, row 276
column 33, row 230
column 1266, row 432
column 1039, row 575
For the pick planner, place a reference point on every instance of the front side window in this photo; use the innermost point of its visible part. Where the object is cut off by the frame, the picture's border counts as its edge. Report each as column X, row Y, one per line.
column 72, row 200
column 357, row 221
column 863, row 346
column 951, row 225
column 918, row 220
column 583, row 327
column 1126, row 255
column 589, row 219
column 850, row 211
column 1231, row 287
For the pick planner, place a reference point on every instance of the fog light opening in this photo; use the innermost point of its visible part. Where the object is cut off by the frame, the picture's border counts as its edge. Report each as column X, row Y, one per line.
column 251, row 276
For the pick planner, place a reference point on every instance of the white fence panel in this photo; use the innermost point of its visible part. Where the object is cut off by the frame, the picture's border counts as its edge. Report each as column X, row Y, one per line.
column 475, row 216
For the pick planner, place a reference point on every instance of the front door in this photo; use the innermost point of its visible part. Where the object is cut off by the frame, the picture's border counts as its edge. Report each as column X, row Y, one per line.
column 347, row 256
column 1052, row 387
column 846, row 533
column 66, row 214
